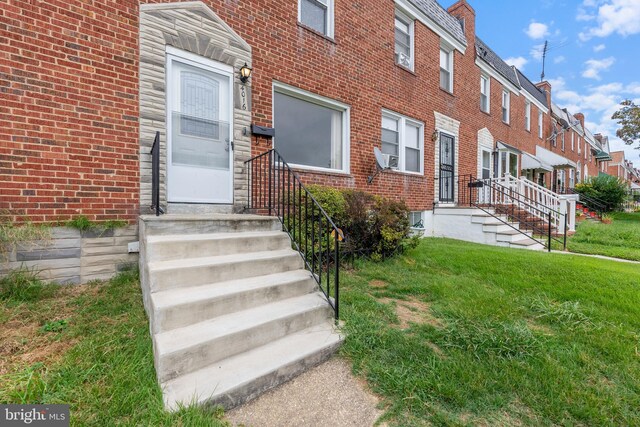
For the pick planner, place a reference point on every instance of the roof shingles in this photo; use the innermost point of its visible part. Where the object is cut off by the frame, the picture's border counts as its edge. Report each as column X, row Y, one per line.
column 441, row 17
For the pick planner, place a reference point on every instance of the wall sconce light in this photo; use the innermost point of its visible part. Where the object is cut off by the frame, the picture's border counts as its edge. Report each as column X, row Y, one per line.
column 434, row 136
column 245, row 73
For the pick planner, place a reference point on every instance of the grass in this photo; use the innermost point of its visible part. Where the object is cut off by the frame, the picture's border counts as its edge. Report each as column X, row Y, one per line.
column 90, row 347
column 454, row 333
column 620, row 239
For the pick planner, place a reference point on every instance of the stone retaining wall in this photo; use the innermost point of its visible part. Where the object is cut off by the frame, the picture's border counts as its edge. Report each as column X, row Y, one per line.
column 72, row 256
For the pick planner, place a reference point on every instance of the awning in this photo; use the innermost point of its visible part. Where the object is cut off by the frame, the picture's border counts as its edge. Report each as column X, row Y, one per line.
column 532, row 162
column 603, row 155
column 503, row 146
column 553, row 159
column 635, row 188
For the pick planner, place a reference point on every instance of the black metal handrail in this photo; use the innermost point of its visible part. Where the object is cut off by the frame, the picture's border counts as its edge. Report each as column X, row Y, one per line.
column 155, row 176
column 274, row 188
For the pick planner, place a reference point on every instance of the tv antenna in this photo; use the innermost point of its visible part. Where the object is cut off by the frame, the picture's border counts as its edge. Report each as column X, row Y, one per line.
column 544, row 58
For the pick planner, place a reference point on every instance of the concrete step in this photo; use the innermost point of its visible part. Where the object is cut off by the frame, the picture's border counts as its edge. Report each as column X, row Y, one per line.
column 151, row 225
column 487, row 219
column 512, row 236
column 176, row 308
column 233, row 381
column 527, row 244
column 164, row 275
column 187, row 349
column 498, row 227
column 168, row 247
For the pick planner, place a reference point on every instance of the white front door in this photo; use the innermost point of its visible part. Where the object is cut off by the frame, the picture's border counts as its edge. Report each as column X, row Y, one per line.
column 199, row 130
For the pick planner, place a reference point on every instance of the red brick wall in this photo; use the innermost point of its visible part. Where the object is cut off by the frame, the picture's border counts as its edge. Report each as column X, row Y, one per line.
column 69, row 80
column 69, row 107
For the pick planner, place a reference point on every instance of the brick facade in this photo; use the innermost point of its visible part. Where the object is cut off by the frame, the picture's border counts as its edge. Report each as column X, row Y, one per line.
column 70, row 135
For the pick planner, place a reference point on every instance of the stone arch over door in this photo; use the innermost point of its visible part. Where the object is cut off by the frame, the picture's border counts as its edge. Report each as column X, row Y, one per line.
column 195, row 28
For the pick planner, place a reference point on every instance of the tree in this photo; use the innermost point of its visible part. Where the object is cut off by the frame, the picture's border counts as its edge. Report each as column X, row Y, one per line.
column 628, row 118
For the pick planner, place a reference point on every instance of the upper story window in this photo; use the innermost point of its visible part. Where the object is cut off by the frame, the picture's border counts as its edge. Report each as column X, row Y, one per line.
column 563, row 133
column 404, row 40
column 579, row 146
column 540, row 117
column 313, row 131
column 506, row 101
column 527, row 115
column 485, row 90
column 403, row 141
column 317, row 15
column 573, row 142
column 446, row 69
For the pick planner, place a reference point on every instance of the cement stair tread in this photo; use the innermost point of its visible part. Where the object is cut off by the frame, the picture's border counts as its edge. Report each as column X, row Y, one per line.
column 180, row 296
column 241, row 370
column 183, row 338
column 525, row 242
column 159, row 266
column 211, row 236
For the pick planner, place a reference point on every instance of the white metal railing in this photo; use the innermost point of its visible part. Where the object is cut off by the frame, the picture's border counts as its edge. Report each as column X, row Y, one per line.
column 533, row 198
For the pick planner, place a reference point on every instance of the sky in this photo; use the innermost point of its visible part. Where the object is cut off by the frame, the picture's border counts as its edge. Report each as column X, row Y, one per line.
column 593, row 62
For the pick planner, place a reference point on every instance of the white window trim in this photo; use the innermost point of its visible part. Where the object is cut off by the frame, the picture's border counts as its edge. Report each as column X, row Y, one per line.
column 488, row 79
column 330, row 15
column 573, row 142
column 506, row 106
column 324, row 102
column 527, row 115
column 449, row 49
column 402, row 122
column 411, row 21
column 540, row 124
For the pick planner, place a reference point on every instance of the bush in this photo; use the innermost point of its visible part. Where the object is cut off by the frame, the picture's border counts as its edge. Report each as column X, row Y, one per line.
column 372, row 225
column 611, row 190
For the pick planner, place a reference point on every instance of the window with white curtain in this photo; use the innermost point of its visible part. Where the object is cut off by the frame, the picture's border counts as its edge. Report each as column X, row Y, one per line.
column 540, row 117
column 527, row 115
column 311, row 131
column 403, row 137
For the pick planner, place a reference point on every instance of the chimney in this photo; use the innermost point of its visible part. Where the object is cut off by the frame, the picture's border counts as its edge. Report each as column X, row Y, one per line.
column 467, row 17
column 546, row 88
column 580, row 118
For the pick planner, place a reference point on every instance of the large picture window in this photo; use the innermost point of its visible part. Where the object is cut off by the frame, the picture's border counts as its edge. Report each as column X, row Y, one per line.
column 403, row 138
column 311, row 130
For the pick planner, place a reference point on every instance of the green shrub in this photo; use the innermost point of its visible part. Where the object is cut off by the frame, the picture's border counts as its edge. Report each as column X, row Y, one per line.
column 611, row 190
column 372, row 225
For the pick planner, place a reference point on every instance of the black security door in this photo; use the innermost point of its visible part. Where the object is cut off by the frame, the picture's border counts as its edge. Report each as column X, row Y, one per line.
column 447, row 168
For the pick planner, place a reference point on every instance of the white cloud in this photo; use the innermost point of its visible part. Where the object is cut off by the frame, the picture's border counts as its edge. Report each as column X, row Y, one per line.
column 593, row 67
column 613, row 16
column 599, row 48
column 537, row 30
column 598, row 103
column 519, row 62
column 559, row 60
column 537, row 51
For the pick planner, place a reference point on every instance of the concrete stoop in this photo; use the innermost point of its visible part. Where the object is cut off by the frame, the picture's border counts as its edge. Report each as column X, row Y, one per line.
column 232, row 310
column 475, row 225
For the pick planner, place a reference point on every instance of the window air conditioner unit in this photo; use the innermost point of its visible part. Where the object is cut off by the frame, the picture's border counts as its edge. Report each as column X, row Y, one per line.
column 390, row 160
column 404, row 60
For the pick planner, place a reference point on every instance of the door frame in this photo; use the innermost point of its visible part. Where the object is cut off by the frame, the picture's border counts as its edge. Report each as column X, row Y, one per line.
column 453, row 168
column 207, row 64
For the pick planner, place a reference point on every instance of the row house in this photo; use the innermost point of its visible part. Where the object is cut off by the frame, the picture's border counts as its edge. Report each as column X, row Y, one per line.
column 121, row 109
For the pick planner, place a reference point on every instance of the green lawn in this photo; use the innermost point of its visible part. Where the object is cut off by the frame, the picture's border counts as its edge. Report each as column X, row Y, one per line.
column 620, row 239
column 86, row 346
column 455, row 333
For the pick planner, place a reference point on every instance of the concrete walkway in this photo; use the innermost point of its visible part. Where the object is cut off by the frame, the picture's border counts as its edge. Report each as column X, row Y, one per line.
column 325, row 396
column 598, row 256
